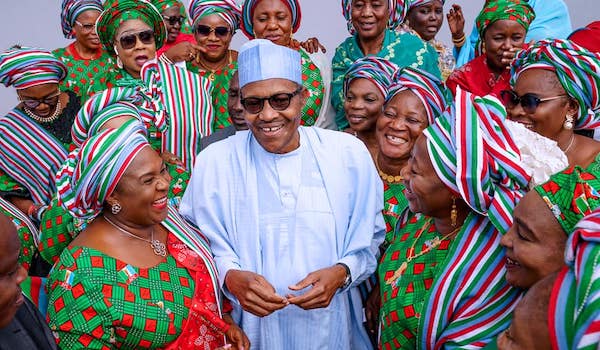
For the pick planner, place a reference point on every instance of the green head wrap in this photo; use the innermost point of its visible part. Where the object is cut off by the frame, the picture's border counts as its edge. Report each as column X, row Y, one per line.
column 496, row 10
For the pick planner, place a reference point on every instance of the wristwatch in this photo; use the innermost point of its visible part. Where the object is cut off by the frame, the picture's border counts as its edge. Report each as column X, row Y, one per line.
column 348, row 278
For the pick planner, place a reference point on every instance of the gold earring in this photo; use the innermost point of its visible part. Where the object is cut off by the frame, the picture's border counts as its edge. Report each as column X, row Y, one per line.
column 568, row 124
column 453, row 213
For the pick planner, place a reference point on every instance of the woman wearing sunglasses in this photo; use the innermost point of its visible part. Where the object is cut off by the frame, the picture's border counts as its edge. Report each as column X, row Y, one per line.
column 179, row 46
column 502, row 26
column 35, row 139
column 214, row 23
column 555, row 92
column 277, row 20
column 84, row 57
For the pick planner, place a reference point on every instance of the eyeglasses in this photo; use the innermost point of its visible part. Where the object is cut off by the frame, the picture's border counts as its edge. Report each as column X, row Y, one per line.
column 50, row 100
column 173, row 20
column 529, row 102
column 128, row 41
column 86, row 27
column 278, row 102
column 206, row 30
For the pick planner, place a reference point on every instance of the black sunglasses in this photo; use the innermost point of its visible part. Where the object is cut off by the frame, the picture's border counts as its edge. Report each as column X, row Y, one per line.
column 128, row 41
column 206, row 30
column 278, row 102
column 529, row 102
column 50, row 100
column 173, row 20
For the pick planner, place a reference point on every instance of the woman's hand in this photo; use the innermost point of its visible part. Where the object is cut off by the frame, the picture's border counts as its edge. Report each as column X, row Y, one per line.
column 21, row 203
column 456, row 22
column 184, row 51
column 312, row 45
column 372, row 306
column 235, row 336
column 170, row 158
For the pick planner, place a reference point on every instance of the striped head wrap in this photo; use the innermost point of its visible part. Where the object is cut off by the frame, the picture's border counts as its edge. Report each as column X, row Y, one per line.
column 26, row 67
column 71, row 9
column 513, row 10
column 416, row 3
column 577, row 69
column 118, row 11
column 91, row 173
column 429, row 89
column 248, row 12
column 377, row 70
column 570, row 194
column 474, row 155
column 228, row 10
column 574, row 312
column 398, row 10
column 132, row 102
column 162, row 5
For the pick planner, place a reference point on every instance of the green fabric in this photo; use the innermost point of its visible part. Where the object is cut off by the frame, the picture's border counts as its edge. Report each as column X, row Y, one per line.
column 394, row 203
column 219, row 93
column 401, row 302
column 8, row 184
column 80, row 71
column 572, row 194
column 98, row 302
column 313, row 82
column 403, row 49
column 114, row 76
column 496, row 10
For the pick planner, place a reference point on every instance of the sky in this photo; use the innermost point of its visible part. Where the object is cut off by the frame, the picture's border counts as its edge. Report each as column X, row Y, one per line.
column 37, row 23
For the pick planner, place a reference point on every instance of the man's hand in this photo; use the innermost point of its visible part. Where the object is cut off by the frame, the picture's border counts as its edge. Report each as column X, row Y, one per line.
column 254, row 293
column 324, row 282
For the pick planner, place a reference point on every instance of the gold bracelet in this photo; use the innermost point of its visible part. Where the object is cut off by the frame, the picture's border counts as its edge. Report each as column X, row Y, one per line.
column 460, row 41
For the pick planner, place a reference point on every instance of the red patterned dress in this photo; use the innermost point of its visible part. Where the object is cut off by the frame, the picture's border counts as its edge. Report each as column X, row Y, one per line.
column 99, row 302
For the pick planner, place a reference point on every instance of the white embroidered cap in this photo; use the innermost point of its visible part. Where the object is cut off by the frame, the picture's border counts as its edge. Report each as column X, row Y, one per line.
column 260, row 59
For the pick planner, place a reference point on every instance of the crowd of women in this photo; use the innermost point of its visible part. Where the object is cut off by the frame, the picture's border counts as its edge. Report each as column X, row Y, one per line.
column 486, row 153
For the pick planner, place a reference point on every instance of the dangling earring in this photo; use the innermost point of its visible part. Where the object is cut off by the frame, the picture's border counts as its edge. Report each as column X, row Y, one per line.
column 115, row 208
column 453, row 213
column 568, row 124
column 119, row 62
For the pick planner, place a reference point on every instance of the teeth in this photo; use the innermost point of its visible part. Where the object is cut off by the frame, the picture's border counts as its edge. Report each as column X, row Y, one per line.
column 512, row 262
column 395, row 139
column 160, row 201
column 271, row 129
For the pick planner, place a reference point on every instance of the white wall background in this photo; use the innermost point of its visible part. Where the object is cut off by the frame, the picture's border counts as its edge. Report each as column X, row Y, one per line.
column 37, row 23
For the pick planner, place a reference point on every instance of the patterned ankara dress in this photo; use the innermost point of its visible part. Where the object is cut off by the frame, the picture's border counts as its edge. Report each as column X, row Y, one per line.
column 81, row 70
column 220, row 90
column 394, row 203
column 99, row 302
column 402, row 301
column 313, row 82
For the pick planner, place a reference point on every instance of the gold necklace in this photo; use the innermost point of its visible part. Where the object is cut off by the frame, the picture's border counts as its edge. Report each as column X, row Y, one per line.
column 431, row 245
column 211, row 75
column 49, row 119
column 158, row 247
column 387, row 177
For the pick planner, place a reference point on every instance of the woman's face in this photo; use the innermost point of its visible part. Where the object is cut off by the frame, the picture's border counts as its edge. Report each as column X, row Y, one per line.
column 216, row 46
column 142, row 191
column 47, row 94
column 12, row 274
column 425, row 192
column 85, row 29
column 173, row 23
column 363, row 104
column 549, row 116
column 135, row 57
column 272, row 20
column 499, row 37
column 404, row 119
column 534, row 244
column 427, row 19
column 370, row 18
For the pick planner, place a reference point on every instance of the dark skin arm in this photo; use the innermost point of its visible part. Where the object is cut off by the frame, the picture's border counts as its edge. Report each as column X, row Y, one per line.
column 236, row 337
column 254, row 292
column 312, row 45
column 325, row 282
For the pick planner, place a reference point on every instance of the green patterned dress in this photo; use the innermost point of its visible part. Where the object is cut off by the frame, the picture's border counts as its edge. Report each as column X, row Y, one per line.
column 220, row 90
column 99, row 302
column 81, row 70
column 394, row 203
column 313, row 82
column 402, row 299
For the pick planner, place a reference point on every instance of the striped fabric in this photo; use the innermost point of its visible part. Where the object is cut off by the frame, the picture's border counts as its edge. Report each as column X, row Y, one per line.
column 91, row 173
column 248, row 12
column 71, row 9
column 26, row 67
column 574, row 312
column 470, row 302
column 577, row 69
column 415, row 3
column 187, row 122
column 133, row 102
column 398, row 11
column 30, row 155
column 429, row 89
column 16, row 215
column 228, row 10
column 195, row 240
column 377, row 70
